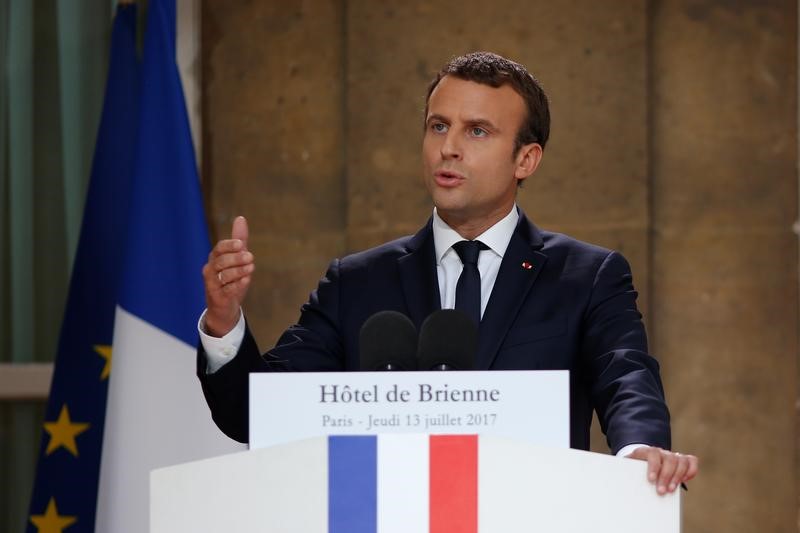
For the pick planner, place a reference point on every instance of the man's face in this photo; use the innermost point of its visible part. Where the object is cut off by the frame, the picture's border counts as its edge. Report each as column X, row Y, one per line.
column 470, row 168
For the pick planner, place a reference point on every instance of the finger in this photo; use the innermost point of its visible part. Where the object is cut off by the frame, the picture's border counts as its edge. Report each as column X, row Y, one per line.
column 653, row 464
column 653, row 457
column 239, row 230
column 694, row 467
column 212, row 277
column 229, row 276
column 213, row 280
column 237, row 287
column 681, row 467
column 209, row 276
column 233, row 260
column 669, row 462
column 226, row 246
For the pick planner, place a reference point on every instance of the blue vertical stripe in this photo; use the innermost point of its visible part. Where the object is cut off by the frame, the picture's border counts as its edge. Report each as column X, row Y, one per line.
column 167, row 240
column 352, row 484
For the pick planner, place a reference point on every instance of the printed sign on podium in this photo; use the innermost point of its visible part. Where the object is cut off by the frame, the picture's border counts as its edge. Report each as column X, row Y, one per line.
column 531, row 406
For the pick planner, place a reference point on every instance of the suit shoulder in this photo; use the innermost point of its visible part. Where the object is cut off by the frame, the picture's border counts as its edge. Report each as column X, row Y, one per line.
column 387, row 251
column 561, row 242
column 576, row 252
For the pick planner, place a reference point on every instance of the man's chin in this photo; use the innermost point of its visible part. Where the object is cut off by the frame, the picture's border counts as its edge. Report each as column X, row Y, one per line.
column 451, row 212
column 448, row 199
column 449, row 209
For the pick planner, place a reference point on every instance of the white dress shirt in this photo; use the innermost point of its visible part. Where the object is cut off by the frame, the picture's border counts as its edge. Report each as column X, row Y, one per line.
column 449, row 266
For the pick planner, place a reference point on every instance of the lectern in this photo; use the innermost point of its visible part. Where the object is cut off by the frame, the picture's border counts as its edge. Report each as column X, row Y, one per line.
column 410, row 483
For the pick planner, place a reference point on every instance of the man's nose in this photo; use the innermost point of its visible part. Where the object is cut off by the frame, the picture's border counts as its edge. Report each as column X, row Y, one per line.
column 451, row 147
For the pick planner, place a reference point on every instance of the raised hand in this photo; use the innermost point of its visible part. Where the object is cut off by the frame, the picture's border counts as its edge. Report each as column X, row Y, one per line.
column 227, row 277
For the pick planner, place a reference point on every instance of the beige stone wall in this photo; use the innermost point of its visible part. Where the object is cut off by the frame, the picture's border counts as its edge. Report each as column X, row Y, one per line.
column 274, row 130
column 724, row 268
column 674, row 140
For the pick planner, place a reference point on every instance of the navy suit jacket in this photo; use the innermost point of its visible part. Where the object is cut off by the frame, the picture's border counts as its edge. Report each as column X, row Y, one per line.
column 574, row 310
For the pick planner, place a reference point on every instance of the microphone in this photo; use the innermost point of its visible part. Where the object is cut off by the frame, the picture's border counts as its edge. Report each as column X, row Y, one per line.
column 388, row 341
column 448, row 340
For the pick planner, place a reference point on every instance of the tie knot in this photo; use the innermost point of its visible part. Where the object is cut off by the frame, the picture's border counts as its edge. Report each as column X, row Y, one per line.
column 468, row 251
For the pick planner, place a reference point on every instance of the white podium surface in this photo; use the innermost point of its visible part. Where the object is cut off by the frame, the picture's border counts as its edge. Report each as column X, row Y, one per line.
column 520, row 487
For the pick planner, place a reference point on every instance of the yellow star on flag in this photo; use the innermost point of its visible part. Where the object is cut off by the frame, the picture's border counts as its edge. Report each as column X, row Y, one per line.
column 51, row 521
column 105, row 352
column 63, row 432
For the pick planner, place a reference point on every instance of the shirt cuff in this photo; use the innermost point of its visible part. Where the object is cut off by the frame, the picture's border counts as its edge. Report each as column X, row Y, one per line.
column 220, row 350
column 625, row 451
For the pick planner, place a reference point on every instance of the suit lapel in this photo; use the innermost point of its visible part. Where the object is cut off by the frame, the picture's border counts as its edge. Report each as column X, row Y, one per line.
column 418, row 276
column 514, row 281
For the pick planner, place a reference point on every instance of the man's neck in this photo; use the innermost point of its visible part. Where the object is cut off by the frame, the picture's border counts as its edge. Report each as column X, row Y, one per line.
column 469, row 228
column 496, row 237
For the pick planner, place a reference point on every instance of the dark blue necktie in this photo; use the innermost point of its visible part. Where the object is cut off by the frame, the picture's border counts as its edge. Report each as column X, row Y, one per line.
column 468, row 288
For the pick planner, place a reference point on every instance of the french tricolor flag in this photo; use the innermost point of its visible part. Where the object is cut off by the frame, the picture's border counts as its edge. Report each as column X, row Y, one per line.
column 156, row 415
column 410, row 483
column 434, row 488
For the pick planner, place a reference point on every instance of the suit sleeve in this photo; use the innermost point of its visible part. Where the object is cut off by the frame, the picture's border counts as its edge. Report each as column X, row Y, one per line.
column 625, row 382
column 313, row 344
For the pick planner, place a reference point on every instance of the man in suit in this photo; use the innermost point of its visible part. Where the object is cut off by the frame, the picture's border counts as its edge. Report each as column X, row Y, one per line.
column 541, row 300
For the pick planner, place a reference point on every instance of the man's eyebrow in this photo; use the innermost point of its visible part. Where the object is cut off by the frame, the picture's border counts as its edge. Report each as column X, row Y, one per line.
column 482, row 122
column 436, row 117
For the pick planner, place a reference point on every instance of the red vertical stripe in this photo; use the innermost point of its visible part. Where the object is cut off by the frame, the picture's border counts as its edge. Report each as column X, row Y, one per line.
column 454, row 484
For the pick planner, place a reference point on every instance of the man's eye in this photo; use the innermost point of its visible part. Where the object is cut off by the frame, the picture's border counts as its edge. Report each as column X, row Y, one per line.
column 478, row 132
column 438, row 127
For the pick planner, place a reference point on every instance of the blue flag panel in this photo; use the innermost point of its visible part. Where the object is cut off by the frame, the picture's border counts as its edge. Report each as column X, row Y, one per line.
column 167, row 243
column 352, row 484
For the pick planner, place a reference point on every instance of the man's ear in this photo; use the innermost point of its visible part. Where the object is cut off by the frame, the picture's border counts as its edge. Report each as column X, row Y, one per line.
column 527, row 160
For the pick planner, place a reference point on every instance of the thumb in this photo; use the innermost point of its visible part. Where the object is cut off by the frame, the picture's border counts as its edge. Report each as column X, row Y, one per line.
column 239, row 230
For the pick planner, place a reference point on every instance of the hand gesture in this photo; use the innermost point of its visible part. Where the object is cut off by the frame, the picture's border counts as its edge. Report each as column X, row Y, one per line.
column 227, row 277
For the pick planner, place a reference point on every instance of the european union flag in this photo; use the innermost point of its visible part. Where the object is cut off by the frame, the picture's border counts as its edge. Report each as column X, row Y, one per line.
column 65, row 489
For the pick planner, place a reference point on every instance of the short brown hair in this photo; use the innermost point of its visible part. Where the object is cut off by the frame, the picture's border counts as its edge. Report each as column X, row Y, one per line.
column 494, row 70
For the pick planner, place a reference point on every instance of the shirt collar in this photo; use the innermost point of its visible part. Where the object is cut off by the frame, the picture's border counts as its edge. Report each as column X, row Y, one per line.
column 496, row 237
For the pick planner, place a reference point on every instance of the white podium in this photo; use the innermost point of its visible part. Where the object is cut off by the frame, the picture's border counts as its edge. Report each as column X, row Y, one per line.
column 410, row 483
